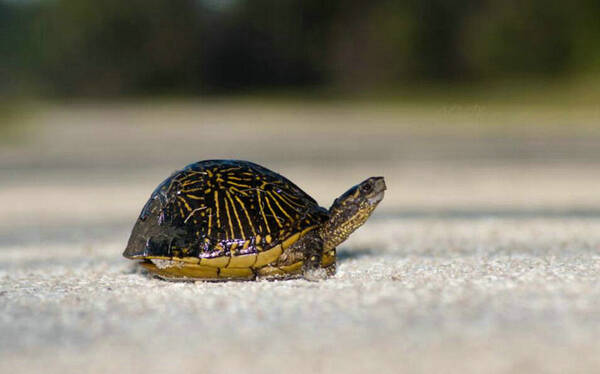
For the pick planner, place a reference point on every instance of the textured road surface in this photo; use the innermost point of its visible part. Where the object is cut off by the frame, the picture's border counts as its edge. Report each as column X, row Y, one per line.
column 483, row 257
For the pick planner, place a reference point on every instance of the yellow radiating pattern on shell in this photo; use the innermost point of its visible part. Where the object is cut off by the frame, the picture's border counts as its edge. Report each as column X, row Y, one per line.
column 223, row 219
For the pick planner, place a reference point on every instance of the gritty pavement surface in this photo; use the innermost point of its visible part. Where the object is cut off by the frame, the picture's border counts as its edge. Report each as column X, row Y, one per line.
column 470, row 265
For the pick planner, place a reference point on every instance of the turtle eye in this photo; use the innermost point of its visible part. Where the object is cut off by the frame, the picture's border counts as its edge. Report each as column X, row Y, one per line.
column 366, row 188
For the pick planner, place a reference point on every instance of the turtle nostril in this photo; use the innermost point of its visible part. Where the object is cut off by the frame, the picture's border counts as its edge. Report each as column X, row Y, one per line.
column 380, row 184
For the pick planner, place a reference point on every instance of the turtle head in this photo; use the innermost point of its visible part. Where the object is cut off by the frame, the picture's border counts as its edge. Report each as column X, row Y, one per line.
column 349, row 211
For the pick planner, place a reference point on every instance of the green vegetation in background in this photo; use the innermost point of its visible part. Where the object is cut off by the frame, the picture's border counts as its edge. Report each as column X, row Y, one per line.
column 15, row 116
column 77, row 48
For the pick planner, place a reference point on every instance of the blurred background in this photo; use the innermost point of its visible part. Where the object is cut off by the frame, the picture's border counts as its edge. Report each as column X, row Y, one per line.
column 71, row 48
column 472, row 110
column 468, row 105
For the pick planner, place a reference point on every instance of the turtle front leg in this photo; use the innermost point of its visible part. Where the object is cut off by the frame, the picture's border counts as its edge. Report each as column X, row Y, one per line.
column 328, row 262
column 289, row 265
column 311, row 246
column 302, row 259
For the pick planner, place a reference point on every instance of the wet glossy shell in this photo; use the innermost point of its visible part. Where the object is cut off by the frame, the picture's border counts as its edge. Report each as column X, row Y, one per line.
column 222, row 219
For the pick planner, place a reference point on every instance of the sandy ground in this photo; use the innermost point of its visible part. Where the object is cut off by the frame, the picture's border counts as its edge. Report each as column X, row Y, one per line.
column 483, row 257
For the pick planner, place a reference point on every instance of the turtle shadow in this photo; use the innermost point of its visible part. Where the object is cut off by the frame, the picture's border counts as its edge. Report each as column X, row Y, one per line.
column 343, row 256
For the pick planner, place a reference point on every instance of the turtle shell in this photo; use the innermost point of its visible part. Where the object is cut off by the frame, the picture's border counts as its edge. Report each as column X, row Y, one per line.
column 222, row 214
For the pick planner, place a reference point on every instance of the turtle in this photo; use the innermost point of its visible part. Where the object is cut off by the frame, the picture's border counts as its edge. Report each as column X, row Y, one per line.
column 236, row 220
